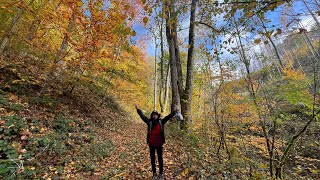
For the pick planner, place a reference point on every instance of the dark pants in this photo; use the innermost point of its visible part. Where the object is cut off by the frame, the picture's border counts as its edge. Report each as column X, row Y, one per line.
column 153, row 158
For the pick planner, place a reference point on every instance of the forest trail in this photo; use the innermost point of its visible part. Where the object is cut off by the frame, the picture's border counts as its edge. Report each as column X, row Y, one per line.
column 130, row 158
column 244, row 74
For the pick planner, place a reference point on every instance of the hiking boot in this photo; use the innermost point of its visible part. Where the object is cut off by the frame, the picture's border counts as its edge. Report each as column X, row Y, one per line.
column 160, row 177
column 154, row 177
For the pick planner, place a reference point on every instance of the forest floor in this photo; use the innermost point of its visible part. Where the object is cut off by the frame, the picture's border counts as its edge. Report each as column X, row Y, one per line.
column 130, row 160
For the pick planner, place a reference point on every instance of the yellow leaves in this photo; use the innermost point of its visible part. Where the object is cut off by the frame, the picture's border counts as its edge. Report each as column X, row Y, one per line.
column 145, row 20
column 262, row 165
column 249, row 14
column 314, row 171
column 185, row 172
column 42, row 130
column 120, row 174
column 170, row 162
column 295, row 75
column 31, row 167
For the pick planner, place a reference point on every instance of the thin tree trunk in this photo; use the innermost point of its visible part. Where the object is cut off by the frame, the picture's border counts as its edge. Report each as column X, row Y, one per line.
column 268, row 48
column 312, row 14
column 35, row 23
column 12, row 28
column 294, row 56
column 62, row 50
column 292, row 141
column 166, row 93
column 271, row 41
column 310, row 45
column 254, row 98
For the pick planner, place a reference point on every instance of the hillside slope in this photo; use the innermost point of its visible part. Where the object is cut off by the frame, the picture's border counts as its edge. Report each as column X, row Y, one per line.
column 61, row 135
column 67, row 137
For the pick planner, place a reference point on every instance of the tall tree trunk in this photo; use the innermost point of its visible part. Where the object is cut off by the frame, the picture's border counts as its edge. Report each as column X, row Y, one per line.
column 161, row 98
column 155, row 74
column 175, row 96
column 177, row 51
column 186, row 100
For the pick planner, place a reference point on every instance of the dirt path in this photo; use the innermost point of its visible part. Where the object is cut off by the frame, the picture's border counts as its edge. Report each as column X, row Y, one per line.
column 130, row 159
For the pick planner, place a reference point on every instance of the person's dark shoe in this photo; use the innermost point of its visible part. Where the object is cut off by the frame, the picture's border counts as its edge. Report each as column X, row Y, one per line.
column 160, row 177
column 154, row 177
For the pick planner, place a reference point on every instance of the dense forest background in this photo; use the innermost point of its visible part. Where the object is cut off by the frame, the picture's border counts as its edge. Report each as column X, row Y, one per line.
column 244, row 74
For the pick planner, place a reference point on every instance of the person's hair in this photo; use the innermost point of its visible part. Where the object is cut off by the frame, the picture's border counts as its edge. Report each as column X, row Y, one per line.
column 155, row 112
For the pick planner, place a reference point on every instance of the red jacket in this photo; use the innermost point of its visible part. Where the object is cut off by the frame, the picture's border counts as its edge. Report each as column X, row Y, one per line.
column 155, row 136
column 162, row 122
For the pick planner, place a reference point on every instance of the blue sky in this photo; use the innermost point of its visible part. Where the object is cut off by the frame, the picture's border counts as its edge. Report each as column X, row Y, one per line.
column 143, row 34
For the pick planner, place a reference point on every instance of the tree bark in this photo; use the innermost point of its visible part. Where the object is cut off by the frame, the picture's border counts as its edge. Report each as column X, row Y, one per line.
column 155, row 75
column 166, row 93
column 161, row 98
column 187, row 94
column 177, row 52
column 62, row 50
column 175, row 104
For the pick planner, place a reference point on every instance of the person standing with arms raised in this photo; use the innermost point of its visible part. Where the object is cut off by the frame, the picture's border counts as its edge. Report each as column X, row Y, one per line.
column 155, row 137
